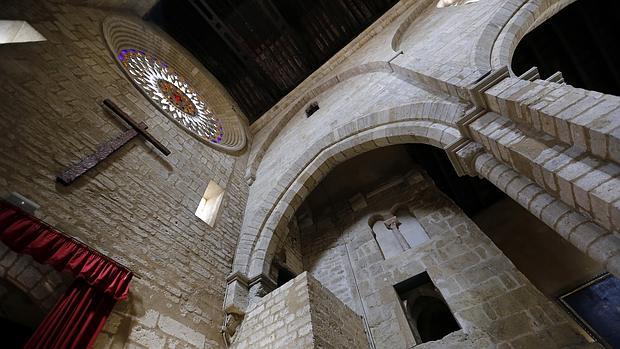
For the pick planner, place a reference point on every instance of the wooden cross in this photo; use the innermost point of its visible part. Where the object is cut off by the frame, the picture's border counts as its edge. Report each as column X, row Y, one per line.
column 71, row 173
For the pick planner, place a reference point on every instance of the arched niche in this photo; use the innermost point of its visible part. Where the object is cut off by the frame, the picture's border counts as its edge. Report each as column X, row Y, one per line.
column 398, row 231
column 412, row 230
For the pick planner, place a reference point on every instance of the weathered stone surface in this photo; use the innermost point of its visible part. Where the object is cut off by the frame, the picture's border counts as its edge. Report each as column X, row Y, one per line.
column 492, row 301
column 300, row 314
column 137, row 206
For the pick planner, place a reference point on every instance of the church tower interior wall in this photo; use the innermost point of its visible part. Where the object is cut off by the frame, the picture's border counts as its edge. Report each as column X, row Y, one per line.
column 494, row 304
column 137, row 206
column 421, row 74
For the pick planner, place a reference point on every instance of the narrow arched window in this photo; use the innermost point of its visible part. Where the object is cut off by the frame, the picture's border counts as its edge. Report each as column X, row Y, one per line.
column 411, row 228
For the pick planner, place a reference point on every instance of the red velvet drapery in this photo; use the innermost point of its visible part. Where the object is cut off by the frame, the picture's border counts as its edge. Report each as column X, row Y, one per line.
column 77, row 318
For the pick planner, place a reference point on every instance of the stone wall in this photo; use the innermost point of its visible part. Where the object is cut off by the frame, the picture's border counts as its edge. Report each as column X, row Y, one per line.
column 562, row 138
column 137, row 206
column 289, row 254
column 370, row 88
column 41, row 283
column 300, row 314
column 494, row 304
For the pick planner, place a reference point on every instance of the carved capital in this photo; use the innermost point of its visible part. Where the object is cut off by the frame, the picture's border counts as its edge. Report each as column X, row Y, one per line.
column 466, row 157
column 250, row 177
column 238, row 276
column 231, row 323
column 237, row 291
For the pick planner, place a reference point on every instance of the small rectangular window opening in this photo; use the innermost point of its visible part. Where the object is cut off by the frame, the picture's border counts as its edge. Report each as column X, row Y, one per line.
column 426, row 310
column 210, row 203
column 18, row 31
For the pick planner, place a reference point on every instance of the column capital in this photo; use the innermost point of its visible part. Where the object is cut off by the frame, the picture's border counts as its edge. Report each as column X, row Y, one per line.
column 392, row 223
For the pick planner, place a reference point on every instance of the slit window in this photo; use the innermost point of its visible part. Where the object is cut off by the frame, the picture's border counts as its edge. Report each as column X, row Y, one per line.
column 210, row 203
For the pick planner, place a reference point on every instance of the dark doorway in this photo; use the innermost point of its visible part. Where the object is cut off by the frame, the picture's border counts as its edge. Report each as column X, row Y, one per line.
column 19, row 316
column 433, row 318
column 426, row 310
column 581, row 41
column 284, row 276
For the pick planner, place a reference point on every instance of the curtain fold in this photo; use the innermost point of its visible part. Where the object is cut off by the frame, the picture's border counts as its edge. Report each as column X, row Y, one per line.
column 26, row 234
column 77, row 318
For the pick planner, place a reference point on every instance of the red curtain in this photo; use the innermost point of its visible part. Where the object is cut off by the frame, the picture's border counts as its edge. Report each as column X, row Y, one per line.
column 79, row 315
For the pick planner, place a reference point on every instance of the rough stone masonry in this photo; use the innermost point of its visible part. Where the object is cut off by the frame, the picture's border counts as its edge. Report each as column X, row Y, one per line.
column 419, row 74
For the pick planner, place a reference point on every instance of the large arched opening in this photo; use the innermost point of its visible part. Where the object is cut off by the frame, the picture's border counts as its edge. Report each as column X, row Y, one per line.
column 355, row 233
column 580, row 42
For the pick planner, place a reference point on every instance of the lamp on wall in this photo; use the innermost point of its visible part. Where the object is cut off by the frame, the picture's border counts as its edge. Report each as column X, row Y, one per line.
column 25, row 204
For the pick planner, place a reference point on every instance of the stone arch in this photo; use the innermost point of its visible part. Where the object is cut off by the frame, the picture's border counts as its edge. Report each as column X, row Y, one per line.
column 259, row 150
column 374, row 218
column 507, row 27
column 400, row 206
column 299, row 182
column 481, row 54
column 404, row 25
column 429, row 122
column 526, row 19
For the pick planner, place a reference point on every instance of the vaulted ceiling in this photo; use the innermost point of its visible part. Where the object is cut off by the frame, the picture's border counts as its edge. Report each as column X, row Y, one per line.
column 261, row 49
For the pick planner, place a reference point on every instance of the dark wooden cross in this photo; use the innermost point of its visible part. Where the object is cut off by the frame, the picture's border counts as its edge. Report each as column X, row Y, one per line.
column 71, row 173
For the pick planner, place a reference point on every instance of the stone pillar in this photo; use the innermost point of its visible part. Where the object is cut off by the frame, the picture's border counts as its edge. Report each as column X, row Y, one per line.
column 600, row 244
column 235, row 302
column 393, row 224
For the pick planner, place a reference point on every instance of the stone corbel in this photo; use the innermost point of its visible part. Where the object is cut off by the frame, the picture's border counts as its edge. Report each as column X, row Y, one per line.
column 242, row 293
column 250, row 176
column 235, row 303
column 236, row 299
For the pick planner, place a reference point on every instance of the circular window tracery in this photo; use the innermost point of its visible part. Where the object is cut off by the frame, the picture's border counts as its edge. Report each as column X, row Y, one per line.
column 171, row 93
column 176, row 83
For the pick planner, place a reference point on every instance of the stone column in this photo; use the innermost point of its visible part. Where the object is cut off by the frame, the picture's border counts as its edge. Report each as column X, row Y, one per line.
column 581, row 231
column 393, row 224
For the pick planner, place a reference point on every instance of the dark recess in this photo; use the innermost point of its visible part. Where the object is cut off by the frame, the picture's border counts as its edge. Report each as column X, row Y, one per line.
column 261, row 49
column 581, row 41
column 471, row 194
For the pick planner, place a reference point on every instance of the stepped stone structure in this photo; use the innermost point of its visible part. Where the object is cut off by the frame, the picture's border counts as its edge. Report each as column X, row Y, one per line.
column 361, row 261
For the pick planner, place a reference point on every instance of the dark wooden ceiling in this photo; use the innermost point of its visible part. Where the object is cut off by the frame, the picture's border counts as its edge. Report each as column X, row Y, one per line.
column 261, row 49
